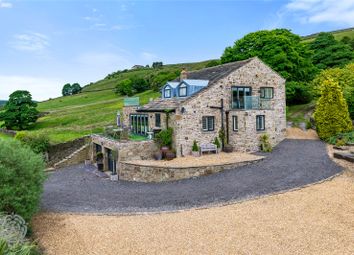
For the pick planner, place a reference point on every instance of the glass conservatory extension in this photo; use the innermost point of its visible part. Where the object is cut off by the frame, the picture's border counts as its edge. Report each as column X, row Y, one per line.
column 139, row 124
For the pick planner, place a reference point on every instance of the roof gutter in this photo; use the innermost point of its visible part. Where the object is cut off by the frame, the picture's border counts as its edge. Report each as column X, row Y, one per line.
column 156, row 110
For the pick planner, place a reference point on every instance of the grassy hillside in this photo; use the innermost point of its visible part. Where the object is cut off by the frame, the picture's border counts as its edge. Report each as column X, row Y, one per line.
column 338, row 34
column 70, row 117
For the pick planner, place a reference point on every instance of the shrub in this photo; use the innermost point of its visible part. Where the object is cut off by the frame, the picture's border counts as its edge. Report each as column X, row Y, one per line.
column 298, row 93
column 38, row 143
column 22, row 176
column 164, row 137
column 342, row 137
column 195, row 146
column 217, row 142
column 265, row 144
column 331, row 113
column 18, row 248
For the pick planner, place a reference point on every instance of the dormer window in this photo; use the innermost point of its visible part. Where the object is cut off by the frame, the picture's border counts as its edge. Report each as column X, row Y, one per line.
column 182, row 90
column 167, row 92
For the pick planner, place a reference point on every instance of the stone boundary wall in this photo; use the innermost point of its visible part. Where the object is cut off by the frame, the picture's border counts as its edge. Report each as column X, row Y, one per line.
column 59, row 151
column 142, row 173
column 8, row 132
column 77, row 158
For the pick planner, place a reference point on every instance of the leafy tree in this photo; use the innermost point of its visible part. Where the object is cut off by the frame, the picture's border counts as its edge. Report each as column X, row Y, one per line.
column 124, row 87
column 345, row 77
column 66, row 91
column 331, row 113
column 139, row 84
column 328, row 52
column 22, row 176
column 282, row 50
column 298, row 93
column 157, row 64
column 348, row 41
column 20, row 111
column 75, row 88
column 214, row 62
column 156, row 81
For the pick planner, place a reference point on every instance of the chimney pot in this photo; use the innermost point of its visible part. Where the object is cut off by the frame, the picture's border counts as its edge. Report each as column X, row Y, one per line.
column 184, row 74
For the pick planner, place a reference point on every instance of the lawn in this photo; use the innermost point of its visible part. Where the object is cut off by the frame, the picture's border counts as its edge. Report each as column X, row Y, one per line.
column 71, row 117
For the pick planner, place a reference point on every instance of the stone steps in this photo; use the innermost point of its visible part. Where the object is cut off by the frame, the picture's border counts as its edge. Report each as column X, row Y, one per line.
column 344, row 155
column 65, row 160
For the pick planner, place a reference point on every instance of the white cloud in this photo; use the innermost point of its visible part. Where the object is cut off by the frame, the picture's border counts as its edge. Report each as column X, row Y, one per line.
column 319, row 11
column 40, row 88
column 148, row 56
column 30, row 42
column 5, row 4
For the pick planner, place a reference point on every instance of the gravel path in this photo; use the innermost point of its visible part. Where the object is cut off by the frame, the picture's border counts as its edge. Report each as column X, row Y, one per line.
column 293, row 163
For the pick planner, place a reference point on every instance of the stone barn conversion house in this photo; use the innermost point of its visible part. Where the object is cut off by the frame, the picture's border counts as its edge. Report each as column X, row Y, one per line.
column 245, row 99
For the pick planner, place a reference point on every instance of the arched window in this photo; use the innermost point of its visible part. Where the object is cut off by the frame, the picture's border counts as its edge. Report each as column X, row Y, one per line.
column 182, row 90
column 167, row 92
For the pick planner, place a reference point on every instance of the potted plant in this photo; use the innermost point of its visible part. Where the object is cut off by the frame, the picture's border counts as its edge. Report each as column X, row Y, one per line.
column 99, row 160
column 171, row 154
column 157, row 155
column 265, row 145
column 217, row 143
column 228, row 148
column 164, row 139
column 195, row 149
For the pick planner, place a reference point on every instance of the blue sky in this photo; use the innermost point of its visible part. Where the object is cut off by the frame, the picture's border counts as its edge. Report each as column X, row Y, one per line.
column 45, row 44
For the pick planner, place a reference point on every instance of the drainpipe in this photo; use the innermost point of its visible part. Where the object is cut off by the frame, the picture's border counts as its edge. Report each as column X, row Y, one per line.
column 227, row 127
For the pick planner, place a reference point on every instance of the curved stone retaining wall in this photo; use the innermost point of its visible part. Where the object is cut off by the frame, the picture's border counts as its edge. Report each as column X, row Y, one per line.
column 143, row 173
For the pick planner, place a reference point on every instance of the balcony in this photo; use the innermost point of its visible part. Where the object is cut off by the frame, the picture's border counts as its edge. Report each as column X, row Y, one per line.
column 131, row 101
column 252, row 103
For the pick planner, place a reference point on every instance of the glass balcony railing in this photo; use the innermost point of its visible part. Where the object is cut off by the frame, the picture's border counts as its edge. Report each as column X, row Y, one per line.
column 252, row 103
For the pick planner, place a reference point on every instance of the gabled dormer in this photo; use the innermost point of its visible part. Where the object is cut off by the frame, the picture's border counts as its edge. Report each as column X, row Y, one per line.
column 169, row 90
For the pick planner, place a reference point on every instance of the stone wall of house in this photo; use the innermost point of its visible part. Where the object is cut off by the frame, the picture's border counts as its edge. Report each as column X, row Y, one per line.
column 126, row 150
column 139, row 173
column 127, row 110
column 255, row 74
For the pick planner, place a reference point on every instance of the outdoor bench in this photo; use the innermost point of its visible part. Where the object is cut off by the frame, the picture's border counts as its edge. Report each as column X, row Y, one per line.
column 208, row 147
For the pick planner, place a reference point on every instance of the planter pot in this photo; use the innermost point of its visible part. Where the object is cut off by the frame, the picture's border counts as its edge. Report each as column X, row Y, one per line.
column 100, row 166
column 157, row 155
column 170, row 155
column 195, row 153
column 87, row 162
column 164, row 150
column 219, row 150
column 114, row 177
column 228, row 148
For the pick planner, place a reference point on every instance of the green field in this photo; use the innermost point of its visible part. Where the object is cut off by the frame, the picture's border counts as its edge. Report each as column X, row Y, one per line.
column 70, row 117
column 338, row 34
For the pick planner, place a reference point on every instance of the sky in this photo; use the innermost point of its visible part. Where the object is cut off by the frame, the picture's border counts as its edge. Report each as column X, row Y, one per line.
column 45, row 44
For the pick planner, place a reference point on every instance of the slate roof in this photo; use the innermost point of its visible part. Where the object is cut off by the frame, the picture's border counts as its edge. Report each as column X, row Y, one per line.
column 173, row 84
column 209, row 75
column 215, row 73
column 199, row 83
column 160, row 105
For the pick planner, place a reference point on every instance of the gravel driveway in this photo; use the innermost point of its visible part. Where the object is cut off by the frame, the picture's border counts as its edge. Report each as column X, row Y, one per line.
column 293, row 163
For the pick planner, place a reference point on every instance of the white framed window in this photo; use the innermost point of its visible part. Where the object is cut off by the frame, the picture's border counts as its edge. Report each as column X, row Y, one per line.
column 208, row 123
column 260, row 122
column 167, row 92
column 267, row 92
column 234, row 123
column 182, row 90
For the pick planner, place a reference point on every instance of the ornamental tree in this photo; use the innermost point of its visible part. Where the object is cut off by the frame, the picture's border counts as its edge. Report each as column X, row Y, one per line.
column 20, row 111
column 345, row 77
column 331, row 113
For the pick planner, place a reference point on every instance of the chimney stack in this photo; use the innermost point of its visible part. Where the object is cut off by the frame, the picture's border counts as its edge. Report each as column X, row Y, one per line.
column 184, row 74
